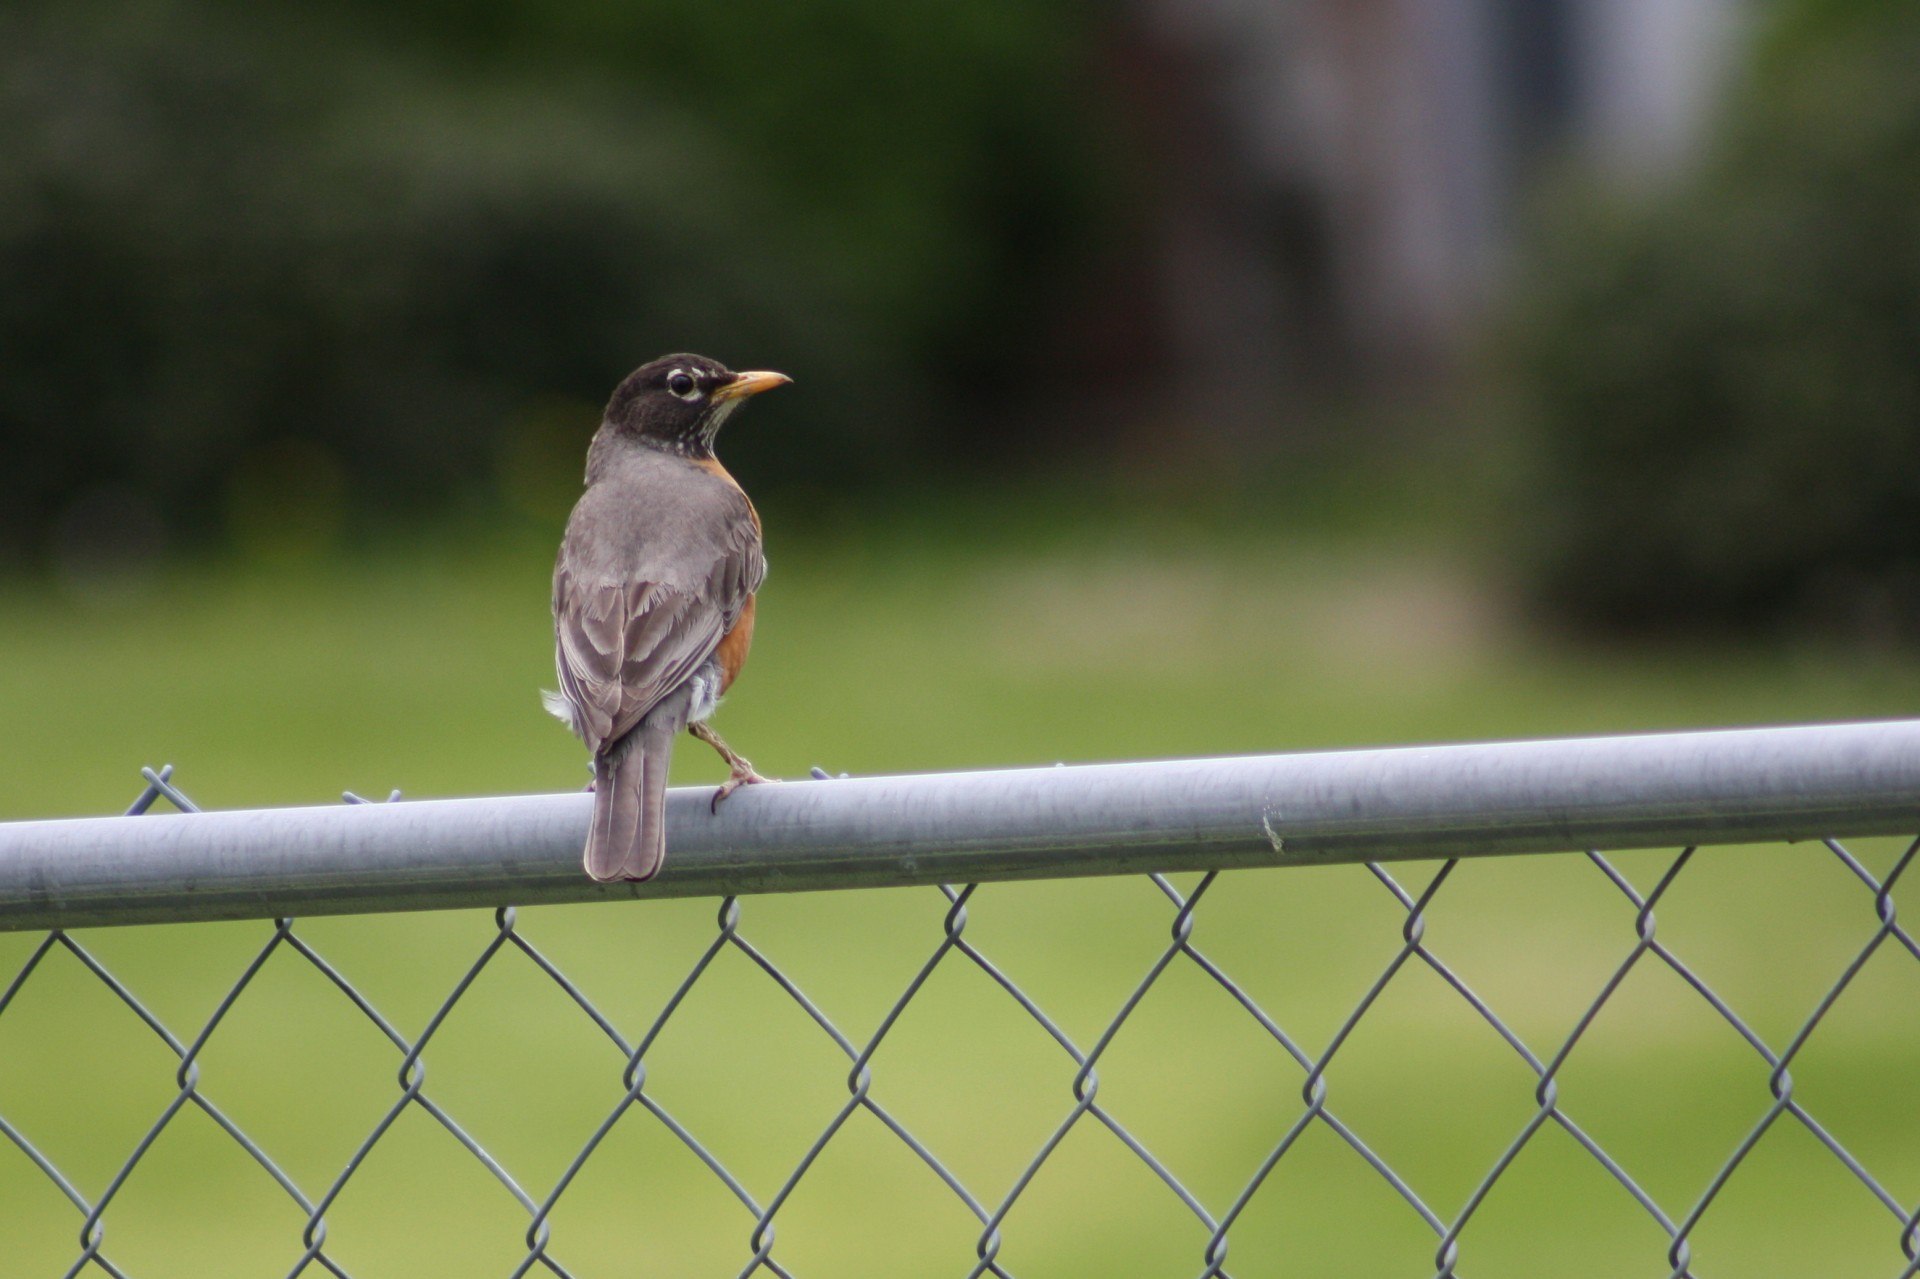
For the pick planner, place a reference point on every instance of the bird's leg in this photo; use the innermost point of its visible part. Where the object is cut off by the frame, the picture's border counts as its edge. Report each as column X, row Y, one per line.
column 740, row 771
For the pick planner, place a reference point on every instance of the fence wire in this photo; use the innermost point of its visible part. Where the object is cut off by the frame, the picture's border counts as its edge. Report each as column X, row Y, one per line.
column 761, row 1206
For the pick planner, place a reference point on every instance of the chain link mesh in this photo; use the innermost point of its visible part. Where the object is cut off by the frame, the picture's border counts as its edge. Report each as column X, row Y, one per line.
column 1213, row 1220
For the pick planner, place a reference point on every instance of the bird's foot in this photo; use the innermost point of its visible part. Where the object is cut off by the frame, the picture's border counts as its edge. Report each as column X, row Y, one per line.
column 739, row 768
column 743, row 775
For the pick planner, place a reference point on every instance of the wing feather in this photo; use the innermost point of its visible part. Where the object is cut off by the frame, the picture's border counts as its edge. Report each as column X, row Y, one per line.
column 621, row 646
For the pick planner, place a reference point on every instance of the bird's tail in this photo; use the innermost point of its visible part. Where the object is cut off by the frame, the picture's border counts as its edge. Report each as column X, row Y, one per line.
column 628, row 838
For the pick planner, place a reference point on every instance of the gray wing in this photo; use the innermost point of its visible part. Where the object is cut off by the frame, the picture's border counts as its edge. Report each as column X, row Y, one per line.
column 623, row 643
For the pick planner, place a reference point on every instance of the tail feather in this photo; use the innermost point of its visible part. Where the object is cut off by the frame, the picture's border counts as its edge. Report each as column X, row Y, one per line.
column 628, row 838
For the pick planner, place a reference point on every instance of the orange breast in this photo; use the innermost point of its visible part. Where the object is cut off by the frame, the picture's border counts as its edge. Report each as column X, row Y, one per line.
column 731, row 653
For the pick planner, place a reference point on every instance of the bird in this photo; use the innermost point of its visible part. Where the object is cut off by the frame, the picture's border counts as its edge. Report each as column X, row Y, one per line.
column 653, row 598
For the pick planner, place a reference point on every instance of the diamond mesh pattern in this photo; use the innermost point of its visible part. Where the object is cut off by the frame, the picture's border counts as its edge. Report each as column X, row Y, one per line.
column 761, row 1206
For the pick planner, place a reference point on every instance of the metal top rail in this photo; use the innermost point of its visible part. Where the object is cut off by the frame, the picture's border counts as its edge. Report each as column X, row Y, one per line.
column 1274, row 810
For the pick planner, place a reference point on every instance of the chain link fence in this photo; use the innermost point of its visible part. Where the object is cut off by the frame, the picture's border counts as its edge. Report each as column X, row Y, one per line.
column 645, row 1083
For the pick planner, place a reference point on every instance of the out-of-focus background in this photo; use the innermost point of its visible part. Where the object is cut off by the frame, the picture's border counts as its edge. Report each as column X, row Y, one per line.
column 1616, row 298
column 1173, row 377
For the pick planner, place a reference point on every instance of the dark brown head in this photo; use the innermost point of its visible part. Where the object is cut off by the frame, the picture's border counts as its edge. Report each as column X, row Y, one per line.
column 678, row 402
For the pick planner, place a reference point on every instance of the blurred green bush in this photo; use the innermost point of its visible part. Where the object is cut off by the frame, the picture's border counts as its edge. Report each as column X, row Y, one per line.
column 1725, row 375
column 390, row 245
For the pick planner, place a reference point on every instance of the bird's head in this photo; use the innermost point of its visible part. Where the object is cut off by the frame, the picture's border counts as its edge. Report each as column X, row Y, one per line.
column 679, row 402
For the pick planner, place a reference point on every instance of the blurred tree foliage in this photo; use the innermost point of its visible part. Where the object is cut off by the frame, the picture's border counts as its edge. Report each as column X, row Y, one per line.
column 369, row 242
column 1726, row 375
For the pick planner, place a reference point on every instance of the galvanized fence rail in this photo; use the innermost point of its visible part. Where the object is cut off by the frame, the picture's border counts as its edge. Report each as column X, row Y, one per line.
column 1820, row 784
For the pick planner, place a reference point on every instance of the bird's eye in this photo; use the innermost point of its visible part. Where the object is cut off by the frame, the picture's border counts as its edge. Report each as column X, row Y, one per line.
column 681, row 383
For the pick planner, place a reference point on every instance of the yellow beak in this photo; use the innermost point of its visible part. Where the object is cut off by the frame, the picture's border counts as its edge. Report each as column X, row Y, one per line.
column 750, row 383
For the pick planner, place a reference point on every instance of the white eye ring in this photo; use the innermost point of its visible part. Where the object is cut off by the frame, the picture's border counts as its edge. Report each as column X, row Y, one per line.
column 682, row 383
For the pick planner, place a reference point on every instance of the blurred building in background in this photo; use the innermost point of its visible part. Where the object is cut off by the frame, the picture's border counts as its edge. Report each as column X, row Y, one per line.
column 1344, row 178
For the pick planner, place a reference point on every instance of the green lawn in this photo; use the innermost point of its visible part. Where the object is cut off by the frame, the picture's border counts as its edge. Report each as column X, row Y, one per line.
column 417, row 668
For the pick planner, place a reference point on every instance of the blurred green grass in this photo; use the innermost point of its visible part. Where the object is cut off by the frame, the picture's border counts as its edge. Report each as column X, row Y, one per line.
column 415, row 666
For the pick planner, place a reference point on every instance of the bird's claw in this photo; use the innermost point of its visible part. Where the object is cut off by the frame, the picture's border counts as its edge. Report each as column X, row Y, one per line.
column 742, row 776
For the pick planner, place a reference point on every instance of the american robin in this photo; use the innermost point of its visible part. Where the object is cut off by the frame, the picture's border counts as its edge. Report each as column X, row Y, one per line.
column 653, row 598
